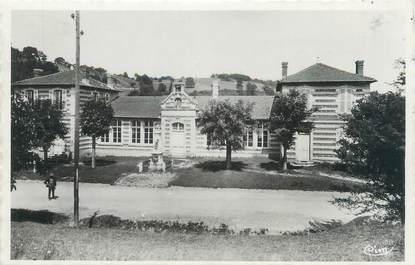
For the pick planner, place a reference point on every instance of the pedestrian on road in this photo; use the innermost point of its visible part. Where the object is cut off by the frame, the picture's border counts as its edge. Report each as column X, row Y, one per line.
column 51, row 185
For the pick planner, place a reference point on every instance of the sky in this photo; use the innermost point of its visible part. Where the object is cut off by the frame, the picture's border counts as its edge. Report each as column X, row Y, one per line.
column 199, row 43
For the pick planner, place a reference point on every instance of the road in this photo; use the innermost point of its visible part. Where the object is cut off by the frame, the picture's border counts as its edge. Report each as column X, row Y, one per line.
column 277, row 210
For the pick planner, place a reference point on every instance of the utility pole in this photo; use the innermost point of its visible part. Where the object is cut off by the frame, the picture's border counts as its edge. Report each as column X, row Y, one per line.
column 76, row 126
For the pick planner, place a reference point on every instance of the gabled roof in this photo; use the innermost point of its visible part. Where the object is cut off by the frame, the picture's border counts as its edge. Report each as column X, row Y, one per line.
column 150, row 106
column 62, row 78
column 323, row 73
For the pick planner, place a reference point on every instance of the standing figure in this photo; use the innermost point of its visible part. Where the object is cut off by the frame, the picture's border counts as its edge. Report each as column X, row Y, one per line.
column 51, row 185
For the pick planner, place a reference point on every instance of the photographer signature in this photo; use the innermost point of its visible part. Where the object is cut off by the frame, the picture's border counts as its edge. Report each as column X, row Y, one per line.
column 379, row 250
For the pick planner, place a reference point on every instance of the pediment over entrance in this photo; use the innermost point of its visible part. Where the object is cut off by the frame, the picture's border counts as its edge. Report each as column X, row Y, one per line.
column 178, row 101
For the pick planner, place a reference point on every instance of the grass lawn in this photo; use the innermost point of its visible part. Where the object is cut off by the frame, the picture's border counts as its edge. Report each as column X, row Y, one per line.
column 108, row 170
column 31, row 240
column 254, row 174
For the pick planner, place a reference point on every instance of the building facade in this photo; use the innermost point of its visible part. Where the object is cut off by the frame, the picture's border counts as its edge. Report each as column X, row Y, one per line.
column 169, row 124
column 333, row 93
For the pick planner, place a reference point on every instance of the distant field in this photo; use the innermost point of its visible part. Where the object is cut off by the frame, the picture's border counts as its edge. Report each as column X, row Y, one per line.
column 58, row 242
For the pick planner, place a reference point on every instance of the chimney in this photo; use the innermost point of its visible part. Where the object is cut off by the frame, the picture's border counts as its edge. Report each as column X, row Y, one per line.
column 215, row 87
column 359, row 67
column 284, row 67
column 37, row 72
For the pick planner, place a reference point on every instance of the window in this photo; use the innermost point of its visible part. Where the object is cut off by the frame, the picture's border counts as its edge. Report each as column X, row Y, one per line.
column 178, row 102
column 262, row 135
column 30, row 95
column 136, row 132
column 107, row 96
column 177, row 126
column 95, row 96
column 105, row 138
column 248, row 138
column 148, row 132
column 116, row 131
column 57, row 99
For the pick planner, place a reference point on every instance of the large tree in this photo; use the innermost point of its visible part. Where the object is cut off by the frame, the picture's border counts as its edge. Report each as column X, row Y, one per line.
column 374, row 147
column 289, row 116
column 224, row 123
column 23, row 62
column 22, row 132
column 48, row 125
column 96, row 117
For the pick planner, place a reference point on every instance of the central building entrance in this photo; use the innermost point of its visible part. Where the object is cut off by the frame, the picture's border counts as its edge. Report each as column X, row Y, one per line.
column 177, row 140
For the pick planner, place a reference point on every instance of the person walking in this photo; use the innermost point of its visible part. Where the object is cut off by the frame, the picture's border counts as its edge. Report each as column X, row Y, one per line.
column 51, row 185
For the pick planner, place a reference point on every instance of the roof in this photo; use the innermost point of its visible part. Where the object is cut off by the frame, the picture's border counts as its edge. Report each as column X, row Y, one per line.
column 150, row 106
column 261, row 108
column 323, row 73
column 62, row 78
column 137, row 106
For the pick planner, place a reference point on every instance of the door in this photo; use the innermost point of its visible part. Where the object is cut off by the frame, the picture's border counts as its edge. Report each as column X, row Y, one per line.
column 302, row 147
column 177, row 140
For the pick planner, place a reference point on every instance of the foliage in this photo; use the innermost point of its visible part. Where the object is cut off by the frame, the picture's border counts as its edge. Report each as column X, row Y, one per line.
column 134, row 93
column 99, row 73
column 48, row 124
column 22, row 132
column 268, row 90
column 23, row 62
column 251, row 89
column 96, row 117
column 162, row 89
column 400, row 81
column 189, row 82
column 288, row 116
column 374, row 146
column 224, row 124
column 230, row 77
column 239, row 87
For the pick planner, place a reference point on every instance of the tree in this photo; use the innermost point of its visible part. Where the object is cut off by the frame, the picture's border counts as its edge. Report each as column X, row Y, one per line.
column 162, row 89
column 400, row 80
column 239, row 88
column 288, row 116
column 251, row 89
column 96, row 117
column 125, row 74
column 23, row 62
column 48, row 125
column 374, row 146
column 189, row 83
column 224, row 123
column 22, row 132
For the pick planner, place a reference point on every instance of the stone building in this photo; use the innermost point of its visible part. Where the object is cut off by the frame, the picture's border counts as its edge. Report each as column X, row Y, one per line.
column 144, row 124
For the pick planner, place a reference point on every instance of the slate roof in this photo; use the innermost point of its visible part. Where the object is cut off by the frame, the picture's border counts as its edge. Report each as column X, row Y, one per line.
column 137, row 106
column 261, row 108
column 61, row 78
column 149, row 106
column 323, row 73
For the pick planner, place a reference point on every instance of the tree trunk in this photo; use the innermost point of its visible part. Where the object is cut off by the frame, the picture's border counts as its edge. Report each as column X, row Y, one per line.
column 93, row 152
column 45, row 157
column 284, row 158
column 228, row 156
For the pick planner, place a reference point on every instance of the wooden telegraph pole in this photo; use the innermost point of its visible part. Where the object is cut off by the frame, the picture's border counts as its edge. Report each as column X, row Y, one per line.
column 76, row 126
